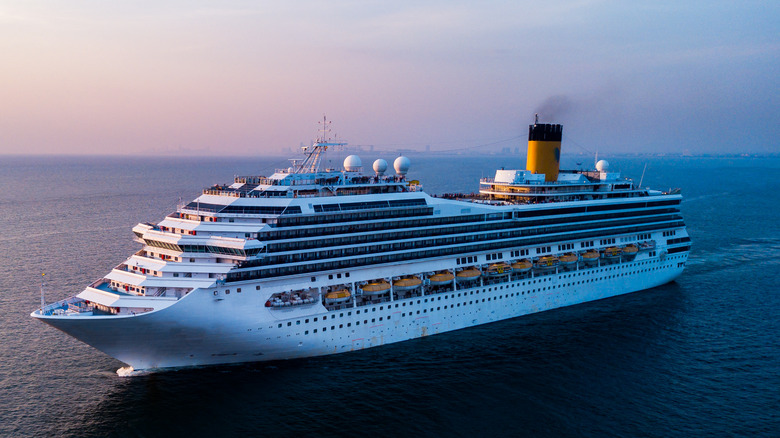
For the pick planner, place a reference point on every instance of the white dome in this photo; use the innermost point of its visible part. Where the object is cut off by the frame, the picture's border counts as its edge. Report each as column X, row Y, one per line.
column 401, row 165
column 380, row 166
column 352, row 163
column 602, row 165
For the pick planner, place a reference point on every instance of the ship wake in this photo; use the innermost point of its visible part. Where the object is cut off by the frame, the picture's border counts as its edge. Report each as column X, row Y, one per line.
column 131, row 372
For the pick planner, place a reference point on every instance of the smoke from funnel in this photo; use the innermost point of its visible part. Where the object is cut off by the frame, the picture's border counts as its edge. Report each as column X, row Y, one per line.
column 555, row 108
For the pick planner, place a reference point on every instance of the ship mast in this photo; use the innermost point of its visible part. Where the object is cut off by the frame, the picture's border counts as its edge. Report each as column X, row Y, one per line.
column 43, row 301
column 311, row 164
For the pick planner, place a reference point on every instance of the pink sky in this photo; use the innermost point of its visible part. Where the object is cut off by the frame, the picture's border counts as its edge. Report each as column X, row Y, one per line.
column 246, row 78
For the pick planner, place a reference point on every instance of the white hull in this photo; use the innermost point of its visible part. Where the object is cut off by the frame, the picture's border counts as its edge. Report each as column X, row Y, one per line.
column 203, row 329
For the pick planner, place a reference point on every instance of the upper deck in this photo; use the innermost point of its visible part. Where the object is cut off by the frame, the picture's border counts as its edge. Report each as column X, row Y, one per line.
column 526, row 187
column 295, row 185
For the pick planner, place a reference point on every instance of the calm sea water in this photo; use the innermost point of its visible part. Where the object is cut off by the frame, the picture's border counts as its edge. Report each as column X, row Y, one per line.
column 697, row 357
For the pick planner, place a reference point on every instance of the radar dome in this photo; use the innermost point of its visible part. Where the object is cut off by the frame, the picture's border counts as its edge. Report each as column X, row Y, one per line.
column 352, row 163
column 380, row 166
column 401, row 165
column 602, row 165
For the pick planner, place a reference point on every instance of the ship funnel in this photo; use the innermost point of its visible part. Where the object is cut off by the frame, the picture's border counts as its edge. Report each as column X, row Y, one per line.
column 544, row 149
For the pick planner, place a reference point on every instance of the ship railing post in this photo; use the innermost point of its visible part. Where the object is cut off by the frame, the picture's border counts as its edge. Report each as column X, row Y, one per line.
column 454, row 280
column 392, row 298
column 421, row 287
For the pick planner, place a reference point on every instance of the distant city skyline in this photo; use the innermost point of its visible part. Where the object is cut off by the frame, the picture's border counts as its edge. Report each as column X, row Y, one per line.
column 253, row 78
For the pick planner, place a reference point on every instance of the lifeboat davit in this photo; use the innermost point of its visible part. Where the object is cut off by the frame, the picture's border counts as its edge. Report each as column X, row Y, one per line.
column 630, row 251
column 468, row 274
column 375, row 288
column 591, row 256
column 569, row 259
column 406, row 284
column 547, row 262
column 501, row 268
column 441, row 278
column 523, row 265
column 612, row 252
column 337, row 296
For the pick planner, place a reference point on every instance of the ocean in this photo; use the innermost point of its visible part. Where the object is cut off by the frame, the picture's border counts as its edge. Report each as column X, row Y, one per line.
column 696, row 357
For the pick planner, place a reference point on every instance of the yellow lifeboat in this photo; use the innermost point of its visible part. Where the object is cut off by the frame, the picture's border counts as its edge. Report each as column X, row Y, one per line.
column 468, row 274
column 630, row 251
column 406, row 284
column 501, row 268
column 569, row 259
column 337, row 296
column 523, row 265
column 547, row 262
column 591, row 256
column 375, row 288
column 612, row 252
column 442, row 278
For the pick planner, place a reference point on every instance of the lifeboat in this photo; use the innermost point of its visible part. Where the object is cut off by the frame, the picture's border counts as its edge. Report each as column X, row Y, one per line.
column 591, row 256
column 647, row 245
column 375, row 288
column 523, row 265
column 569, row 259
column 630, row 251
column 547, row 262
column 338, row 296
column 468, row 274
column 501, row 268
column 442, row 278
column 611, row 252
column 406, row 284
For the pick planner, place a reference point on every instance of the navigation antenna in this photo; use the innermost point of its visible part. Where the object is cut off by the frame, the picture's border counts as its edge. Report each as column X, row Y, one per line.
column 311, row 164
column 324, row 130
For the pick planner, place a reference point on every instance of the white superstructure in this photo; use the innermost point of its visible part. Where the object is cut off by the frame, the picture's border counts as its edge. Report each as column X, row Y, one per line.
column 310, row 262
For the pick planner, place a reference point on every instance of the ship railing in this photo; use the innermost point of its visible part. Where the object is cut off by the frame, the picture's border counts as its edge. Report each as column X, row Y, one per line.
column 217, row 192
column 80, row 307
column 365, row 301
column 341, row 306
column 97, row 283
column 73, row 304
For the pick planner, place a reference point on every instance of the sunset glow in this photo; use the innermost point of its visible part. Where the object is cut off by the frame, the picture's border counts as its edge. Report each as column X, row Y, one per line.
column 252, row 78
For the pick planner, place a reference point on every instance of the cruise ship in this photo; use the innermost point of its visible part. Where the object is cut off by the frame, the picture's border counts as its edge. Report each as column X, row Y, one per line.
column 311, row 261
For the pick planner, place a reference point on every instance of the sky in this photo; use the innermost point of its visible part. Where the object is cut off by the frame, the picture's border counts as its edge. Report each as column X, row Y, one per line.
column 245, row 78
